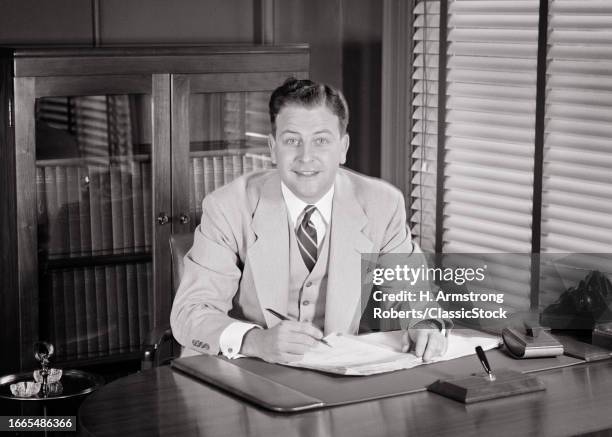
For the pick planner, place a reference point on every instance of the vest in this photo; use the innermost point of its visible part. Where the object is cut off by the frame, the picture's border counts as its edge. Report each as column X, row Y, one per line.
column 307, row 290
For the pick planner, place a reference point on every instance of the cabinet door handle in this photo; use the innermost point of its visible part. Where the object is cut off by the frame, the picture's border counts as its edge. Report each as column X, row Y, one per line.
column 184, row 218
column 162, row 218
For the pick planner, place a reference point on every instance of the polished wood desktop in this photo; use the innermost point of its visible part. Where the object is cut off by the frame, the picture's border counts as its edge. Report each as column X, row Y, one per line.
column 165, row 402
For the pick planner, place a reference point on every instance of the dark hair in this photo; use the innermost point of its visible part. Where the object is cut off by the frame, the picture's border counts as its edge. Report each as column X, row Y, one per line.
column 307, row 93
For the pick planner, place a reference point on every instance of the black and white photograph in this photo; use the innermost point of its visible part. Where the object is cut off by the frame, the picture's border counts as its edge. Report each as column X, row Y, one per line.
column 345, row 218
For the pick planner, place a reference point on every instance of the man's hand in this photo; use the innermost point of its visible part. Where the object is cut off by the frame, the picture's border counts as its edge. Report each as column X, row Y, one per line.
column 285, row 342
column 426, row 340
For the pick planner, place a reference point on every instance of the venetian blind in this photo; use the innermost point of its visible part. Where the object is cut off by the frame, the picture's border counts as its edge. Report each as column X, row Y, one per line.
column 577, row 185
column 577, row 182
column 490, row 117
column 424, row 119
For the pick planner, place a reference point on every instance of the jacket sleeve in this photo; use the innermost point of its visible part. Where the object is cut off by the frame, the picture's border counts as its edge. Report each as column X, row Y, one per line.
column 209, row 283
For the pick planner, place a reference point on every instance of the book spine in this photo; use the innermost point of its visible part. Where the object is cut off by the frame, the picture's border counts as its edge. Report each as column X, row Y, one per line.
column 70, row 313
column 217, row 171
column 138, row 210
column 143, row 301
column 209, row 182
column 228, row 169
column 84, row 210
column 59, row 319
column 132, row 306
column 237, row 165
column 147, row 203
column 81, row 312
column 127, row 206
column 106, row 213
column 60, row 230
column 247, row 164
column 122, row 308
column 72, row 205
column 101, row 312
column 116, row 208
column 95, row 215
column 91, row 312
column 149, row 303
column 111, row 309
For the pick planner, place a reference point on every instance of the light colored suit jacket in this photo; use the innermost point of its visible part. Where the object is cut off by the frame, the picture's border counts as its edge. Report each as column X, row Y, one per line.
column 239, row 262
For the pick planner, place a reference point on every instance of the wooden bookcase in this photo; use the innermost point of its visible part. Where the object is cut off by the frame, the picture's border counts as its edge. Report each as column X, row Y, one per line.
column 105, row 152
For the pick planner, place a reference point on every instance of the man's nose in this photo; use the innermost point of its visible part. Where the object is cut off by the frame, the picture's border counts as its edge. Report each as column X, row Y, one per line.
column 306, row 152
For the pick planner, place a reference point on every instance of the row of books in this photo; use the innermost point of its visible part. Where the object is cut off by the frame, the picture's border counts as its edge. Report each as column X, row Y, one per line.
column 94, row 209
column 100, row 209
column 97, row 311
column 209, row 172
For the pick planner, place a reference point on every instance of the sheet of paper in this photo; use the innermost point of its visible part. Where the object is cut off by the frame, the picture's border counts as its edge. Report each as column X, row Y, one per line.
column 381, row 352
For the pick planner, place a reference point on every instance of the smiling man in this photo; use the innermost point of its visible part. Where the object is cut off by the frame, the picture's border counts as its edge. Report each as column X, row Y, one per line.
column 290, row 240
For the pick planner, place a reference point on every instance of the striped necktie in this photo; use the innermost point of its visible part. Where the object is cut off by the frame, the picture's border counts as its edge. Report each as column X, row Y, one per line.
column 307, row 238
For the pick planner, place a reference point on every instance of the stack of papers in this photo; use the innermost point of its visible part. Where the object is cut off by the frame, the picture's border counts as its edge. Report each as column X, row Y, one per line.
column 381, row 352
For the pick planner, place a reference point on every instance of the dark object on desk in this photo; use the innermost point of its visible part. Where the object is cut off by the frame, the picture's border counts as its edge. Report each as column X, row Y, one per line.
column 256, row 388
column 476, row 388
column 602, row 335
column 574, row 347
column 531, row 342
column 583, row 306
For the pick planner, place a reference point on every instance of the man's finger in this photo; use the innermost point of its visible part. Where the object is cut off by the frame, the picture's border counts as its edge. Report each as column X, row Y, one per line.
column 308, row 329
column 435, row 347
column 297, row 348
column 421, row 343
column 301, row 338
column 405, row 341
column 432, row 349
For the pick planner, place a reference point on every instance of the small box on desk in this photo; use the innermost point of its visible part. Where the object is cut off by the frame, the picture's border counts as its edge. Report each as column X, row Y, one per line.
column 480, row 387
column 602, row 335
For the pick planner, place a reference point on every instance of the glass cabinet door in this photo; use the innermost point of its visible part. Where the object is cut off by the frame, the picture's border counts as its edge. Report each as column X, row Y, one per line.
column 228, row 138
column 95, row 228
column 225, row 132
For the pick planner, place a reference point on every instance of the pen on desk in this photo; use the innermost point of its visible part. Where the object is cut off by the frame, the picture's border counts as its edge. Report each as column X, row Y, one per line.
column 284, row 318
column 485, row 363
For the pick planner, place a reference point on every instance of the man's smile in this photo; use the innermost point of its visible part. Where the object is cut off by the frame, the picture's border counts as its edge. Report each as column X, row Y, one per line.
column 306, row 173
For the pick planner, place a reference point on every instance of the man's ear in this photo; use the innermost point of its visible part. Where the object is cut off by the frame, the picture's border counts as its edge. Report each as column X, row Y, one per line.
column 272, row 147
column 345, row 142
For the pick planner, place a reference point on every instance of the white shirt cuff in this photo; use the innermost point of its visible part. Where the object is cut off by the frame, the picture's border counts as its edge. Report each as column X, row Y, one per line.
column 231, row 338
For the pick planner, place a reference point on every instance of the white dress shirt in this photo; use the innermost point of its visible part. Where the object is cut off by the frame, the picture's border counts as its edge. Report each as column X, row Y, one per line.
column 231, row 338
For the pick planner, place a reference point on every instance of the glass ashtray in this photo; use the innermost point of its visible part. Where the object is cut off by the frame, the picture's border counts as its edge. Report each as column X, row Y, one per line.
column 25, row 389
column 54, row 375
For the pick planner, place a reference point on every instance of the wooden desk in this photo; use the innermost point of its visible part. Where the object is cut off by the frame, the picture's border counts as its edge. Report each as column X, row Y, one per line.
column 164, row 402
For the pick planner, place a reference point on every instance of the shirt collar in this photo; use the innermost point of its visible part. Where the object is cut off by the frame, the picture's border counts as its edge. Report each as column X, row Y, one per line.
column 296, row 206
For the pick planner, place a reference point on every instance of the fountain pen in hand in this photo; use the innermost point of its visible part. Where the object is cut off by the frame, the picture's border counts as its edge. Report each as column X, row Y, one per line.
column 284, row 318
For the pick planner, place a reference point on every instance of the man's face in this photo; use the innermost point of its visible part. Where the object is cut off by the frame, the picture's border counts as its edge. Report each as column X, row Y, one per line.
column 308, row 149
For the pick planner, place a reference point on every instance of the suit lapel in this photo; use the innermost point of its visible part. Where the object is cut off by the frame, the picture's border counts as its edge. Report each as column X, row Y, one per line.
column 269, row 255
column 347, row 242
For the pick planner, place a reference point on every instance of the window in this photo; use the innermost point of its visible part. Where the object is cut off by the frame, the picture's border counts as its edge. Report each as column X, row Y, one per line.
column 489, row 134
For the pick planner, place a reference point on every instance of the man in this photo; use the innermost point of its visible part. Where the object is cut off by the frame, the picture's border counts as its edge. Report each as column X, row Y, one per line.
column 290, row 239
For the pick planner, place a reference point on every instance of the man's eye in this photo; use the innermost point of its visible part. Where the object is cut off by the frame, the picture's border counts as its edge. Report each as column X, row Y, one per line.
column 291, row 141
column 321, row 141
